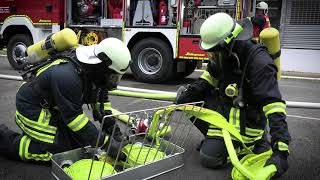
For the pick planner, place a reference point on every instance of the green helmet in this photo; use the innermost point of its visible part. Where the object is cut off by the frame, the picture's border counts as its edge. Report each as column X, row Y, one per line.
column 218, row 29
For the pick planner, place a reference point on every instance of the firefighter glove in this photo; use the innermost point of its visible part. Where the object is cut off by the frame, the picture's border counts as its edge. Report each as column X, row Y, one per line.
column 114, row 146
column 279, row 159
column 98, row 116
column 184, row 95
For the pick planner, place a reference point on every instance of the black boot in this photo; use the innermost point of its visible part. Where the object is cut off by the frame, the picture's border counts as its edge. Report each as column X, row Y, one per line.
column 9, row 142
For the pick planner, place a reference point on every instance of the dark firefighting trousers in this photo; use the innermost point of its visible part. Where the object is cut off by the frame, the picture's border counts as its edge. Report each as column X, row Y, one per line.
column 18, row 146
column 213, row 151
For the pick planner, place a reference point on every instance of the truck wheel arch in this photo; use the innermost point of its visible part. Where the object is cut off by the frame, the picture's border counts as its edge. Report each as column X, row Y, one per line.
column 21, row 25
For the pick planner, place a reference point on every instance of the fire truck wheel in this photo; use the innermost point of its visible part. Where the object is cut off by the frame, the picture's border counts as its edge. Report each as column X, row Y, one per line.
column 152, row 61
column 17, row 47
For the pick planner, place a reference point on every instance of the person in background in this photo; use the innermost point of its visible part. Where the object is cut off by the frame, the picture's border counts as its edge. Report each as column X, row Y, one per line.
column 261, row 19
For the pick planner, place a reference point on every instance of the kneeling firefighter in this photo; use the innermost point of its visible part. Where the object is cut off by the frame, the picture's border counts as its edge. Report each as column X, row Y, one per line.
column 49, row 106
column 241, row 84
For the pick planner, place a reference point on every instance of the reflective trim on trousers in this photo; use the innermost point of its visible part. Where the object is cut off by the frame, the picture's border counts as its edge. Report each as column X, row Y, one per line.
column 26, row 155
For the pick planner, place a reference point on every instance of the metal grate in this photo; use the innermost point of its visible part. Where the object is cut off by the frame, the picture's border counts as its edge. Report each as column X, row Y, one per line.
column 305, row 12
column 150, row 152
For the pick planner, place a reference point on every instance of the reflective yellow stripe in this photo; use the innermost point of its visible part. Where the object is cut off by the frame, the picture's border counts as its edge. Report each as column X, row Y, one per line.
column 234, row 117
column 23, row 147
column 214, row 132
column 218, row 132
column 212, row 126
column 36, row 125
column 35, row 134
column 78, row 122
column 283, row 146
column 254, row 132
column 24, row 151
column 250, row 140
column 106, row 138
column 40, row 157
column 21, row 85
column 44, row 117
column 106, row 106
column 56, row 62
column 274, row 108
column 212, row 81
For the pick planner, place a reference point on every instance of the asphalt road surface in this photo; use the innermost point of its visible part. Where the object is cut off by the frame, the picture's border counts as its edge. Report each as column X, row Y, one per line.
column 304, row 126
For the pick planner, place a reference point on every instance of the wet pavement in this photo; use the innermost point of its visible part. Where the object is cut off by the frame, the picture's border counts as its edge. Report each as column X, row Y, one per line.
column 304, row 125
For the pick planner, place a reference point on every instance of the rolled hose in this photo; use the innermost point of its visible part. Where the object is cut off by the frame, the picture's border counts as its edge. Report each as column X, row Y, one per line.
column 251, row 166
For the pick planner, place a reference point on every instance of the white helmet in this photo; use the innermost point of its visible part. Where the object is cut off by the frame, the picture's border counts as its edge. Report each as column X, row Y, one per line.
column 220, row 29
column 110, row 50
column 263, row 6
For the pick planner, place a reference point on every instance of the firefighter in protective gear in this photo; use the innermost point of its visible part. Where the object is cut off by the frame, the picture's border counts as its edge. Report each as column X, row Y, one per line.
column 261, row 19
column 239, row 64
column 49, row 107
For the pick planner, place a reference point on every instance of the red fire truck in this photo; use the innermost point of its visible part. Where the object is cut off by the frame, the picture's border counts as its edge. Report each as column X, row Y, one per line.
column 162, row 35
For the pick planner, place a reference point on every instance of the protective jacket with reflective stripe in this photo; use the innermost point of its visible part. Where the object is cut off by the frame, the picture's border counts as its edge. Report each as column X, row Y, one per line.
column 63, row 90
column 261, row 91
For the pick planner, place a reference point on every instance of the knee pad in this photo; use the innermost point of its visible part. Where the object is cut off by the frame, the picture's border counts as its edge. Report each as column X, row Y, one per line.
column 213, row 162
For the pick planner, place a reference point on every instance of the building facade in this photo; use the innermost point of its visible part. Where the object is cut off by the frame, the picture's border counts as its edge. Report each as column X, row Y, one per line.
column 300, row 35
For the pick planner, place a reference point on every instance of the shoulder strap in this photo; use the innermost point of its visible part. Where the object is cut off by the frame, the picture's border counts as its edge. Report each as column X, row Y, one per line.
column 239, row 100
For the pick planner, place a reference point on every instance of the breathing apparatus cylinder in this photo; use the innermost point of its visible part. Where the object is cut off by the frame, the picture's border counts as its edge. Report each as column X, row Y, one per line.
column 58, row 41
column 270, row 38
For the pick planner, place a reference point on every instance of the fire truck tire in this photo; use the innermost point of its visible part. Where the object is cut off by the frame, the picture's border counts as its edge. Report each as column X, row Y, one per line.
column 152, row 61
column 17, row 46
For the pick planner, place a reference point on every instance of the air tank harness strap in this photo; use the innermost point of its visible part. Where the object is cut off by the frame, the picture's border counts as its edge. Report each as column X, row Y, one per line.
column 240, row 101
column 49, row 44
column 276, row 55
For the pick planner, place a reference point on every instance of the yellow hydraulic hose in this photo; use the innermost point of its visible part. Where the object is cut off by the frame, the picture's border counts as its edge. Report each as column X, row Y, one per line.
column 155, row 96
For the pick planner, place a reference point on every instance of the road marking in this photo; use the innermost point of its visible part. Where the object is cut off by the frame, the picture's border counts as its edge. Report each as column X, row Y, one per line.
column 304, row 87
column 304, row 117
column 154, row 100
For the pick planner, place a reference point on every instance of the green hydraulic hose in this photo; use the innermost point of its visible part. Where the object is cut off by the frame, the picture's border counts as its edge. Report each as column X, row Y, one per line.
column 155, row 96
